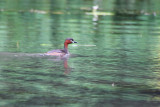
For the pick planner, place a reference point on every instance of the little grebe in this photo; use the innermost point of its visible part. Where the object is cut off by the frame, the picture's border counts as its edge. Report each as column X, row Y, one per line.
column 62, row 52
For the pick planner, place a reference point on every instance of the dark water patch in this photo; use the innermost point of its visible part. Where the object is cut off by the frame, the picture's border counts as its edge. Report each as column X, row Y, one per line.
column 154, row 92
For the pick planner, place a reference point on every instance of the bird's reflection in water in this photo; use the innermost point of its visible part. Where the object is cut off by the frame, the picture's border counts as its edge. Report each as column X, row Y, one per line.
column 65, row 59
column 66, row 67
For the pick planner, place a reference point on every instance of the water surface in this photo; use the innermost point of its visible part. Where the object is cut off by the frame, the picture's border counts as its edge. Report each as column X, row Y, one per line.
column 115, row 63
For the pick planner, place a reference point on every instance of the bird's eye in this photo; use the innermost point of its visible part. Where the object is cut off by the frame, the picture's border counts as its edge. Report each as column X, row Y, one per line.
column 71, row 40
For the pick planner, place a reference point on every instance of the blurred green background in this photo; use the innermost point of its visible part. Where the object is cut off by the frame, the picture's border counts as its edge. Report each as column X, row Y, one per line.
column 115, row 63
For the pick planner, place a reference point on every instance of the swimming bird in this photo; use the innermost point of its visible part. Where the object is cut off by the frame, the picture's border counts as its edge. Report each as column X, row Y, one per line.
column 62, row 52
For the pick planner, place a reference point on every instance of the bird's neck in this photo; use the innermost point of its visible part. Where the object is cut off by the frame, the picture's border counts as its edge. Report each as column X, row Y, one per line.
column 66, row 48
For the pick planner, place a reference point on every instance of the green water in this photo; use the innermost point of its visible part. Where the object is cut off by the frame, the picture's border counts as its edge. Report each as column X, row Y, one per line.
column 115, row 63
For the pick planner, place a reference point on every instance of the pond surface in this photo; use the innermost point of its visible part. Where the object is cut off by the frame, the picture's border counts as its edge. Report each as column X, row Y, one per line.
column 116, row 62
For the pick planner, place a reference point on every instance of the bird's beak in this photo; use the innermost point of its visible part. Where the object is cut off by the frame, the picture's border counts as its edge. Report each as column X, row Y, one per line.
column 74, row 42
